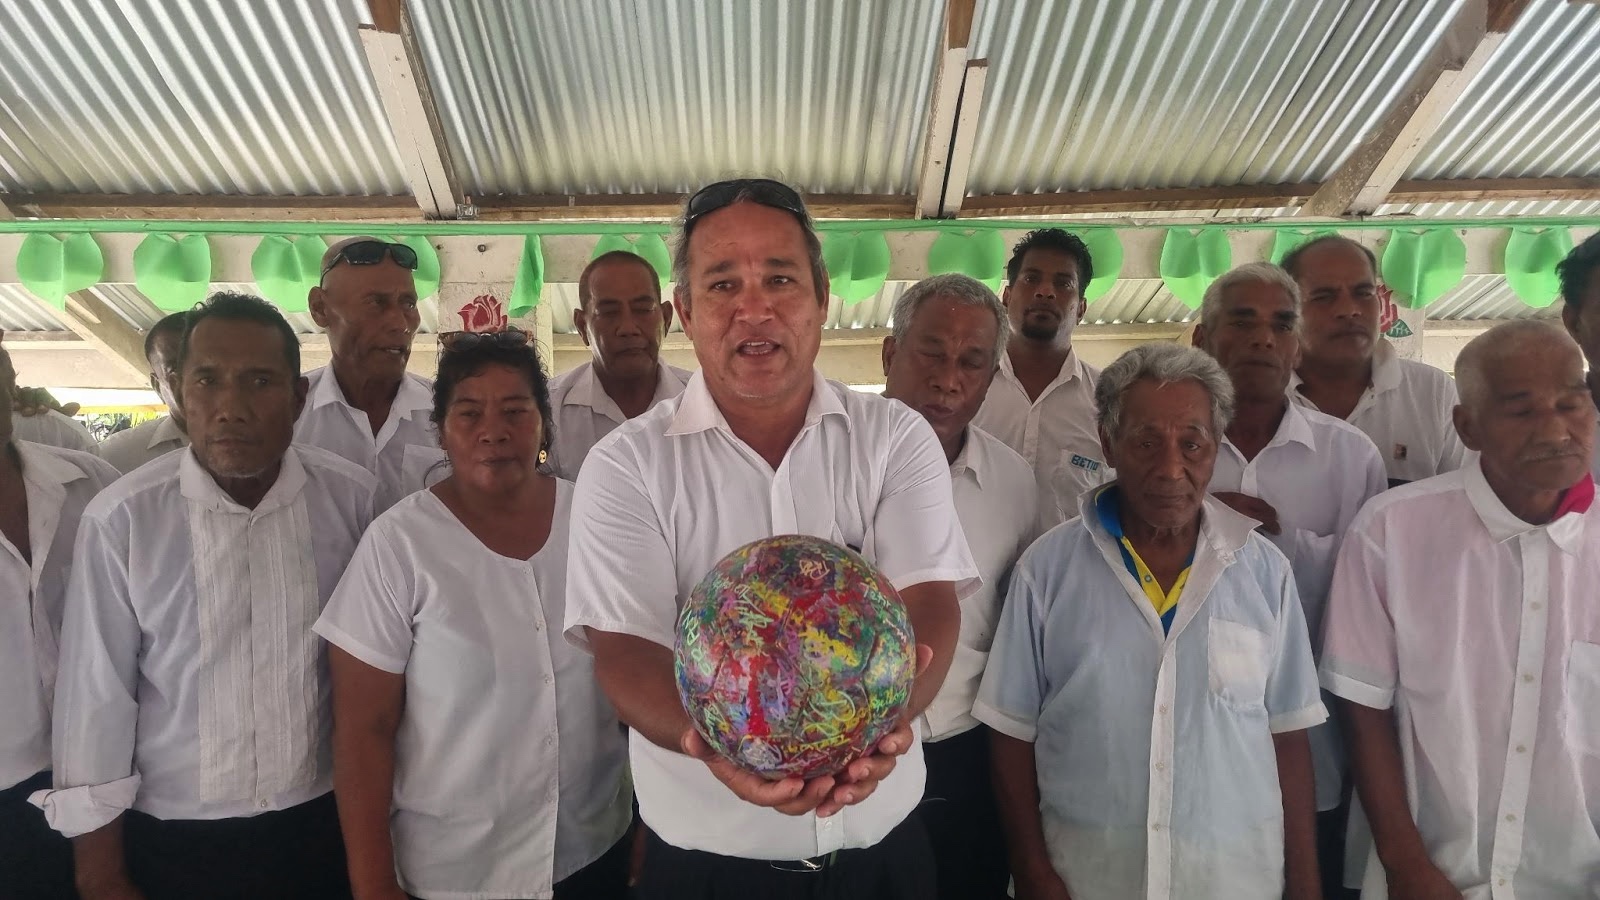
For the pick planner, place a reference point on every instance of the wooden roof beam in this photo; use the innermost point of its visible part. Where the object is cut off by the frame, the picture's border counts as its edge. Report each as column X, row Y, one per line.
column 938, row 137
column 395, row 61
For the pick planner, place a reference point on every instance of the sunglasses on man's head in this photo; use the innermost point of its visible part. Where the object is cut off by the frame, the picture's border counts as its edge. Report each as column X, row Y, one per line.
column 764, row 191
column 370, row 253
column 466, row 340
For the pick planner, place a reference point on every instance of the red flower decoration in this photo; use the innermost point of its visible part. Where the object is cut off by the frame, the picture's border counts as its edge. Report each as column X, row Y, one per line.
column 1388, row 313
column 485, row 313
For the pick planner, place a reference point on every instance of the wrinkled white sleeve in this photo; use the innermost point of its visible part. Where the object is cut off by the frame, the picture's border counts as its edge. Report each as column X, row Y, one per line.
column 370, row 613
column 1360, row 662
column 1011, row 696
column 1313, row 555
column 96, row 705
column 1293, row 699
column 917, row 535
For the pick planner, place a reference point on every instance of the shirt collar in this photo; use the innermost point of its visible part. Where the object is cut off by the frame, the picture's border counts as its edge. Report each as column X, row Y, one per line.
column 698, row 412
column 973, row 458
column 44, row 470
column 195, row 483
column 1221, row 529
column 1071, row 369
column 166, row 431
column 412, row 396
column 1386, row 373
column 1566, row 531
column 587, row 391
column 1294, row 428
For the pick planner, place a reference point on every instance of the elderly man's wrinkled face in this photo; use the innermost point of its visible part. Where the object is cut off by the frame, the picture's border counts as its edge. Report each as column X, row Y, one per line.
column 1535, row 421
column 371, row 314
column 624, row 320
column 1254, row 339
column 239, row 397
column 943, row 367
column 1163, row 452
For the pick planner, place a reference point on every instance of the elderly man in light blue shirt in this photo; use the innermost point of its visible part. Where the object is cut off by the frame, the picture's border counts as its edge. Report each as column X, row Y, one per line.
column 1152, row 681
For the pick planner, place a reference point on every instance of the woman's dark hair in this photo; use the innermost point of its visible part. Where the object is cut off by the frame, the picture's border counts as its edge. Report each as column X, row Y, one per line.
column 466, row 362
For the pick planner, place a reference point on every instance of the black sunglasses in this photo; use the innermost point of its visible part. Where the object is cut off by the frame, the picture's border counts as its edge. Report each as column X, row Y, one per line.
column 370, row 253
column 467, row 340
column 764, row 191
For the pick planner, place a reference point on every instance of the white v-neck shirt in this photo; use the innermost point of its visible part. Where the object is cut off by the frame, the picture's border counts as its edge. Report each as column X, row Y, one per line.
column 511, row 769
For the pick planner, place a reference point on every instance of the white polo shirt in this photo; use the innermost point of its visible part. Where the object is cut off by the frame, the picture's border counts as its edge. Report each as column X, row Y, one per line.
column 52, row 429
column 133, row 447
column 667, row 495
column 1407, row 411
column 1158, row 777
column 400, row 453
column 1482, row 633
column 998, row 505
column 1056, row 434
column 510, row 770
column 585, row 413
column 58, row 485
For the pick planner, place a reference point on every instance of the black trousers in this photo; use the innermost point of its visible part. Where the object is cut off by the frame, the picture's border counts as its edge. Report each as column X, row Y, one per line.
column 1330, row 851
column 296, row 852
column 900, row 867
column 35, row 860
column 963, row 823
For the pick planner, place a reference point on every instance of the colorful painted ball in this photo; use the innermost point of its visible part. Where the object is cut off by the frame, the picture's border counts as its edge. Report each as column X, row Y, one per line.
column 794, row 656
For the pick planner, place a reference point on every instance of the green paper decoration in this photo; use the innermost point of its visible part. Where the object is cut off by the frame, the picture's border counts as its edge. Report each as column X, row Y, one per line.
column 648, row 247
column 1531, row 257
column 1191, row 260
column 1105, row 252
column 51, row 268
column 175, row 273
column 857, row 264
column 1287, row 239
column 979, row 254
column 1420, row 266
column 427, row 274
column 286, row 270
column 530, row 279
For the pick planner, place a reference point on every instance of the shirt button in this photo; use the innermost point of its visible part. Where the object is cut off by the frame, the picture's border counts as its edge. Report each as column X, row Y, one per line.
column 1156, row 827
column 549, row 679
column 1522, row 748
column 1161, row 767
column 1163, row 709
column 1511, row 817
column 1537, row 605
column 266, row 803
column 538, row 626
column 1527, row 676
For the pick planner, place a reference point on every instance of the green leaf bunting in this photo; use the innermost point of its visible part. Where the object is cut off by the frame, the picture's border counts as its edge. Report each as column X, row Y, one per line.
column 1420, row 266
column 857, row 264
column 1531, row 257
column 980, row 254
column 286, row 270
column 530, row 279
column 1105, row 253
column 648, row 247
column 1191, row 260
column 427, row 274
column 175, row 273
column 51, row 268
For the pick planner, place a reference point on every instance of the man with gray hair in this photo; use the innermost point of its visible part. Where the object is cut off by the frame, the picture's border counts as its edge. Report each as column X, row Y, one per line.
column 949, row 335
column 1302, row 474
column 1152, row 679
column 1463, row 641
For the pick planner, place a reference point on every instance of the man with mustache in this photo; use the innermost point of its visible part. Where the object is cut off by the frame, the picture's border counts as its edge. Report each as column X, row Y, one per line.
column 1463, row 639
column 364, row 405
column 1042, row 402
column 1580, row 311
column 622, row 321
column 1350, row 372
column 1302, row 474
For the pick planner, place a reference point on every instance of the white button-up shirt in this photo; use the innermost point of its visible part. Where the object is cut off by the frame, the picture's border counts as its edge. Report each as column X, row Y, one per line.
column 52, row 429
column 585, row 413
column 1407, row 412
column 58, row 484
column 669, row 494
column 1482, row 632
column 511, row 772
column 1056, row 434
column 133, row 447
column 1157, row 772
column 998, row 505
column 402, row 451
column 136, row 723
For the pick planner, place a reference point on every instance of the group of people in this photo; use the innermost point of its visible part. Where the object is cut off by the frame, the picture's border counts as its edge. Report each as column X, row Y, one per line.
column 355, row 633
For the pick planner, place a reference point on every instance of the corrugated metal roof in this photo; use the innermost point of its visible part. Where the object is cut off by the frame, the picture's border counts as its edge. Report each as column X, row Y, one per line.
column 22, row 311
column 190, row 96
column 1530, row 112
column 631, row 96
column 1486, row 297
column 1171, row 93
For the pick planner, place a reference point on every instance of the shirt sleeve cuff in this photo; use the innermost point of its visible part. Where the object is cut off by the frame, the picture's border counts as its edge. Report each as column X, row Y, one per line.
column 1348, row 688
column 350, row 645
column 1299, row 720
column 1005, row 723
column 80, row 810
column 966, row 581
column 578, row 637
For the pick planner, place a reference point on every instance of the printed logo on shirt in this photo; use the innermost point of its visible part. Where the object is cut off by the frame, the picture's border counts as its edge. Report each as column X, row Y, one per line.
column 1400, row 451
column 1084, row 462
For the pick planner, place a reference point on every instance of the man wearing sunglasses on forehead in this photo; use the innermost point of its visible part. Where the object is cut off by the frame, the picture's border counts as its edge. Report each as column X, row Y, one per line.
column 364, row 405
column 759, row 444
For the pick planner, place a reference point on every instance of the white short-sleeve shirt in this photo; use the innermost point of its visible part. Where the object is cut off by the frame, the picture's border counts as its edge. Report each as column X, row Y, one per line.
column 131, row 448
column 666, row 496
column 1407, row 411
column 399, row 455
column 585, row 413
column 53, row 429
column 511, row 770
column 1482, row 633
column 58, row 484
column 1157, row 770
column 1056, row 434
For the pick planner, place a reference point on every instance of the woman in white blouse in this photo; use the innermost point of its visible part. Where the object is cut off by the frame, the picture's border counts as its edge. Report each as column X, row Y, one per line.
column 474, row 754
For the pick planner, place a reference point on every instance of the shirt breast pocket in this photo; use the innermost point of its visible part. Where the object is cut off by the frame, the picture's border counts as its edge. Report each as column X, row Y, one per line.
column 1583, row 697
column 1238, row 664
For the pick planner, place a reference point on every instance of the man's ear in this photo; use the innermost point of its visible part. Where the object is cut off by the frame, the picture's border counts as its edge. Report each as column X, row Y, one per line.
column 1569, row 318
column 302, row 387
column 1466, row 427
column 1197, row 338
column 580, row 321
column 680, row 299
column 666, row 317
column 317, row 304
column 888, row 354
